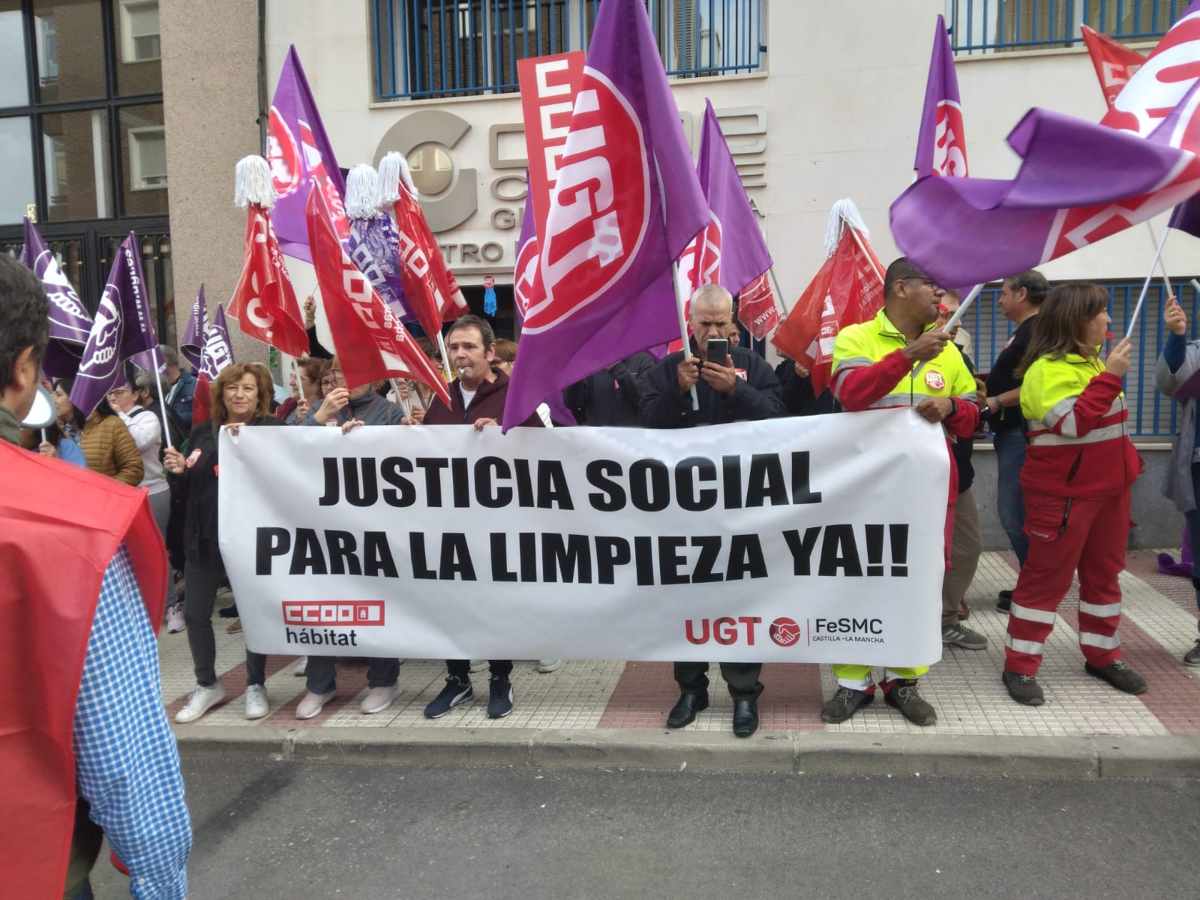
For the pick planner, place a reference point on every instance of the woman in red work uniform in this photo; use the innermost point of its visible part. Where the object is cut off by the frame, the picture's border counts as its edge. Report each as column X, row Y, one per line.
column 1077, row 480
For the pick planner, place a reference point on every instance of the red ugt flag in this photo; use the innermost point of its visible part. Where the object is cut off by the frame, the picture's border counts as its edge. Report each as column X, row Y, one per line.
column 370, row 341
column 264, row 301
column 846, row 291
column 1114, row 63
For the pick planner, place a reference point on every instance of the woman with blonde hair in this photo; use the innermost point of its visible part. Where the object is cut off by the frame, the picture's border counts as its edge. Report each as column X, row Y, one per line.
column 241, row 397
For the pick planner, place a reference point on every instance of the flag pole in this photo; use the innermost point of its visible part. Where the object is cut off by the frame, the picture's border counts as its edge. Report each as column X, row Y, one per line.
column 399, row 402
column 1162, row 242
column 679, row 301
column 1162, row 266
column 778, row 291
column 861, row 246
column 162, row 402
column 441, row 341
column 953, row 321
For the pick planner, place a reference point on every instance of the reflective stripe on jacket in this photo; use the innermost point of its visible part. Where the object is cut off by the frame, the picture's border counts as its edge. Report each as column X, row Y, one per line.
column 1078, row 440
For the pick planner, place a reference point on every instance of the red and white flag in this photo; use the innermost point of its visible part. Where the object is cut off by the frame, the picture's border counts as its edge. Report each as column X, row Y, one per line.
column 847, row 290
column 370, row 340
column 431, row 292
column 1114, row 63
column 264, row 301
column 757, row 310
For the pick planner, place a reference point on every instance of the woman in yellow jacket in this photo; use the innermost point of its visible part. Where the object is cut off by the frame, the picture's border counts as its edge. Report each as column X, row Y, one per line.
column 1079, row 471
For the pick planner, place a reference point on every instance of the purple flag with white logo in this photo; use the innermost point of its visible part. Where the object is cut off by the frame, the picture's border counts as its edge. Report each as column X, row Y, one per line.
column 742, row 254
column 122, row 329
column 70, row 324
column 942, row 139
column 1078, row 183
column 192, row 344
column 374, row 247
column 625, row 204
column 299, row 153
column 218, row 349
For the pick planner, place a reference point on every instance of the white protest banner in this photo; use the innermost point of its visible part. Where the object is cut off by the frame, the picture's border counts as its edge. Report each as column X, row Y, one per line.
column 800, row 540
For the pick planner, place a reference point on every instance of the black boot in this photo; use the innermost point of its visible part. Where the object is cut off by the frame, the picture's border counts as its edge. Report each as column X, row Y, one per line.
column 684, row 711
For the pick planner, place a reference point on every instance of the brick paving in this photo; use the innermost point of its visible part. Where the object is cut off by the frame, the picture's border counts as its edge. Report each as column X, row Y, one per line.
column 1159, row 626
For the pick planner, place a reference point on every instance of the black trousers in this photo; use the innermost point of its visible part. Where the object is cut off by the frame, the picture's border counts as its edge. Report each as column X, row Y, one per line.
column 742, row 678
column 200, row 582
column 461, row 668
column 320, row 673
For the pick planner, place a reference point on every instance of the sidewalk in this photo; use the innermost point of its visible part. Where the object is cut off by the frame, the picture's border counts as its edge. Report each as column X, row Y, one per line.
column 613, row 713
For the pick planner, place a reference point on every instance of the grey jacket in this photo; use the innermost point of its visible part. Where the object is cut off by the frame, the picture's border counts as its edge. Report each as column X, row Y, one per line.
column 1177, row 486
column 371, row 409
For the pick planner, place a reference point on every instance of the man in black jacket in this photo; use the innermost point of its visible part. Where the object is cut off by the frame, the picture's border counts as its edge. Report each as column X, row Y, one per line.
column 743, row 389
column 611, row 396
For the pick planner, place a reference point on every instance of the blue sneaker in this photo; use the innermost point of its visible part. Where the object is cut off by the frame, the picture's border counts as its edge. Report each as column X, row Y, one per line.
column 455, row 692
column 500, row 703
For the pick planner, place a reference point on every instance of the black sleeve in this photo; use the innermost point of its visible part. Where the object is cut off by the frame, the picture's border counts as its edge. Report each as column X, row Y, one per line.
column 661, row 404
column 628, row 374
column 797, row 392
column 759, row 396
column 577, row 397
column 315, row 349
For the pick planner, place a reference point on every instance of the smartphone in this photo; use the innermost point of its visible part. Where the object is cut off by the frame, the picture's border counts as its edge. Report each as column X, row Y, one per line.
column 716, row 350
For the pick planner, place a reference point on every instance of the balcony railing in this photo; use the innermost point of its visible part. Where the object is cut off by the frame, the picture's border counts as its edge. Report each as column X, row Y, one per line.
column 989, row 26
column 449, row 48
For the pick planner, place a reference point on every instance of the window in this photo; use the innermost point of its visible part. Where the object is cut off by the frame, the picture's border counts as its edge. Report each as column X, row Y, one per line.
column 14, row 80
column 140, row 40
column 445, row 48
column 147, row 159
column 16, row 187
column 996, row 25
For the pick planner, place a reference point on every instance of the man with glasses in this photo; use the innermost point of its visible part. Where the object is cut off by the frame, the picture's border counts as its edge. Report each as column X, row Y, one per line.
column 875, row 367
column 740, row 388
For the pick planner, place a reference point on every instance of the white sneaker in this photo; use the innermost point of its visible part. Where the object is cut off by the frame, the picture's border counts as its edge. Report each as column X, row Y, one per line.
column 312, row 704
column 478, row 665
column 202, row 700
column 378, row 699
column 546, row 666
column 175, row 621
column 301, row 667
column 256, row 702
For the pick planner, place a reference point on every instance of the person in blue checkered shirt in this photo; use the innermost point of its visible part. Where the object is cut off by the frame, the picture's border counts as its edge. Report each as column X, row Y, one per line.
column 126, row 765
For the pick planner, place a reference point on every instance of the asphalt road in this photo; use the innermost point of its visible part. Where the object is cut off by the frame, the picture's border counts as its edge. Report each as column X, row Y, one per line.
column 271, row 830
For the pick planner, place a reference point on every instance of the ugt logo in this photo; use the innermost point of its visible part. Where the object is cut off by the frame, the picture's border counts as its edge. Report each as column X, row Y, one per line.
column 600, row 207
column 949, row 144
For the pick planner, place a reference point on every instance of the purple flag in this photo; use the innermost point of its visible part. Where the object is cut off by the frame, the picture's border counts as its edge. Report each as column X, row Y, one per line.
column 218, row 349
column 122, row 329
column 742, row 252
column 374, row 246
column 299, row 152
column 70, row 324
column 625, row 204
column 193, row 333
column 1078, row 183
column 942, row 139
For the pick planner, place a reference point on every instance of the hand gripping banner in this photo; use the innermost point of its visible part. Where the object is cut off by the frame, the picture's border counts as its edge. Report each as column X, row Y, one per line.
column 592, row 543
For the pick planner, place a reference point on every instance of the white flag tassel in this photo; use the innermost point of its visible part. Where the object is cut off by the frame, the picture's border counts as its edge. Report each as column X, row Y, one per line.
column 252, row 183
column 362, row 192
column 844, row 214
column 393, row 169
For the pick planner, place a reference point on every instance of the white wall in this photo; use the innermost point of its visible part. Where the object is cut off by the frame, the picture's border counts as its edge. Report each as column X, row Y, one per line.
column 844, row 93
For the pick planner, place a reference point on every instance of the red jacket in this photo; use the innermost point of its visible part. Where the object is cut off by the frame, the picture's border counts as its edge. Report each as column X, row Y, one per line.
column 59, row 528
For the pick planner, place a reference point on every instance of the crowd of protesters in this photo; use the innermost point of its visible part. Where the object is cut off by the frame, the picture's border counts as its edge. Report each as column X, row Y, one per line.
column 1053, row 403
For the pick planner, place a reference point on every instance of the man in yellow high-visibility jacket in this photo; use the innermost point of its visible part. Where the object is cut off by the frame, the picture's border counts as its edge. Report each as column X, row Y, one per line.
column 874, row 367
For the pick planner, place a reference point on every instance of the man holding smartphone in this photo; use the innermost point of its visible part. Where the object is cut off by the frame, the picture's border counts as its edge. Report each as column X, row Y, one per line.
column 731, row 384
